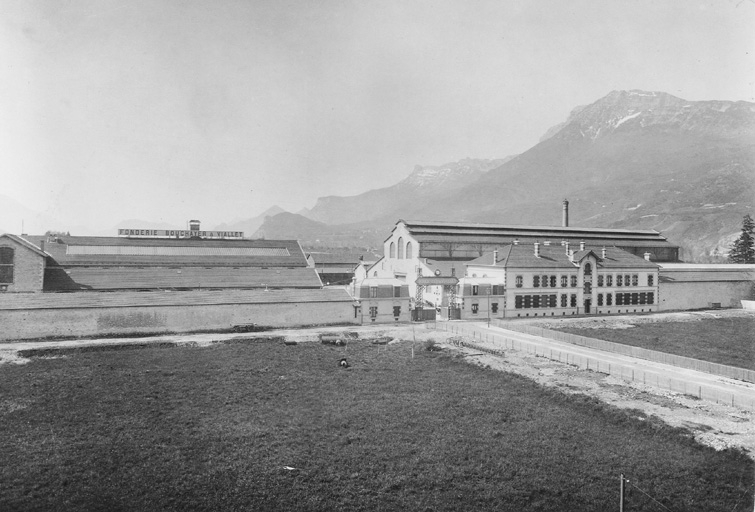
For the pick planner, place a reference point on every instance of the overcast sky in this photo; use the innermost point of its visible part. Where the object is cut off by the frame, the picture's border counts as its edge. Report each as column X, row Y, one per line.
column 170, row 110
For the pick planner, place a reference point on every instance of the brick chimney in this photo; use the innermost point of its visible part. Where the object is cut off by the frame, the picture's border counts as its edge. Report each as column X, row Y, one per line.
column 566, row 247
column 537, row 249
column 581, row 246
column 495, row 257
column 603, row 253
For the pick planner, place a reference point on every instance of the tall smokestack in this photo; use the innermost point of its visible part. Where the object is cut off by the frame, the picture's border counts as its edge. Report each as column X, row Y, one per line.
column 565, row 216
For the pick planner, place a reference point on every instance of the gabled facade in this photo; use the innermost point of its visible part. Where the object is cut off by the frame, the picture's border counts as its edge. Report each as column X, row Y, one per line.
column 22, row 265
column 533, row 280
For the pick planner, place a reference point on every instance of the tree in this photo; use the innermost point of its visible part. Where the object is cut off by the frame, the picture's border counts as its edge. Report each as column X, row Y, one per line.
column 743, row 248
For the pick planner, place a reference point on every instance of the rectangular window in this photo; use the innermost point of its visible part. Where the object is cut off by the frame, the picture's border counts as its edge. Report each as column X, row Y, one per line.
column 609, row 280
column 536, row 281
column 373, row 292
column 373, row 312
column 635, row 279
column 651, row 298
column 494, row 307
column 600, row 299
column 563, row 300
column 519, row 281
column 552, row 300
column 626, row 280
column 475, row 308
column 6, row 265
column 635, row 298
column 600, row 279
column 609, row 299
column 527, row 301
column 619, row 280
column 397, row 291
column 650, row 279
column 536, row 301
column 544, row 280
column 574, row 300
column 564, row 281
column 619, row 299
column 396, row 311
column 518, row 303
column 643, row 297
column 573, row 281
column 475, row 289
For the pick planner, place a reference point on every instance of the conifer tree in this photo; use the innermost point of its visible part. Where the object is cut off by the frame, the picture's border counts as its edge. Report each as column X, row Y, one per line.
column 743, row 248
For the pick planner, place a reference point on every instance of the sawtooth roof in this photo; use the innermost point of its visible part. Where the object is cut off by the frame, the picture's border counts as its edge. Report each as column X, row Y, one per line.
column 139, row 278
column 71, row 251
column 10, row 301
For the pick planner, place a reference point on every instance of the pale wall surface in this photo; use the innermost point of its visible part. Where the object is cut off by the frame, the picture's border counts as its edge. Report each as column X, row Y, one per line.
column 38, row 323
column 700, row 294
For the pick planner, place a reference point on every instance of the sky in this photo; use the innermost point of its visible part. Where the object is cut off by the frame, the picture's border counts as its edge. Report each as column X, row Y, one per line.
column 164, row 111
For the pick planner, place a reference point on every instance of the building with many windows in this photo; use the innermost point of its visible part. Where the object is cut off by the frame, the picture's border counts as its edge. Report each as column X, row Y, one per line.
column 530, row 280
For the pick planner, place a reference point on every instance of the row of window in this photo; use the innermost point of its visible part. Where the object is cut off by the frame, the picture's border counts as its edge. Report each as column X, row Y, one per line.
column 496, row 289
column 409, row 251
column 374, row 291
column 625, row 299
column 549, row 301
column 493, row 308
column 546, row 281
column 374, row 312
column 623, row 280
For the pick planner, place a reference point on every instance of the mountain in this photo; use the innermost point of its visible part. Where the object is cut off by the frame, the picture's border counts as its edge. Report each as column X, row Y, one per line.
column 423, row 181
column 632, row 159
column 249, row 226
column 14, row 214
column 313, row 234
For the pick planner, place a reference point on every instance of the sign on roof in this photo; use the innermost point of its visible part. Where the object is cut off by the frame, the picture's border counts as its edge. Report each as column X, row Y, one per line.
column 178, row 233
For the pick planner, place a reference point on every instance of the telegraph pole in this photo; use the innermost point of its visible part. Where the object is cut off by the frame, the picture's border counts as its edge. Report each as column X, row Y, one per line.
column 621, row 493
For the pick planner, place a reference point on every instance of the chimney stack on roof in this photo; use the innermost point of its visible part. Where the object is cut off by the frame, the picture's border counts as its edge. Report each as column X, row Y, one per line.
column 547, row 242
column 537, row 249
column 516, row 241
column 565, row 217
column 647, row 256
column 193, row 225
column 566, row 246
column 603, row 253
column 495, row 257
column 581, row 246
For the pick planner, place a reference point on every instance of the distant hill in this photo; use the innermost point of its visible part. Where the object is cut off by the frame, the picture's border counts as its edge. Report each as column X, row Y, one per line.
column 424, row 181
column 632, row 159
column 251, row 225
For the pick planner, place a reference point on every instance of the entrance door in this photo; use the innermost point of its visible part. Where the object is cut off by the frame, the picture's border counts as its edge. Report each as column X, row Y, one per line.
column 588, row 303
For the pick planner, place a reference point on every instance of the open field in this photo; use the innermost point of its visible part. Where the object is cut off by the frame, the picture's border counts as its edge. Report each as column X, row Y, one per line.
column 725, row 339
column 218, row 427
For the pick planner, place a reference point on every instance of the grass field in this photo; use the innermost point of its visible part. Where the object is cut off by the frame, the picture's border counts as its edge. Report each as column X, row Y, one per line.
column 719, row 340
column 216, row 428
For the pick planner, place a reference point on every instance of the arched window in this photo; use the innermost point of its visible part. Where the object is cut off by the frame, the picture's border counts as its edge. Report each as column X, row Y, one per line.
column 409, row 250
column 6, row 265
column 588, row 269
column 393, row 250
column 401, row 248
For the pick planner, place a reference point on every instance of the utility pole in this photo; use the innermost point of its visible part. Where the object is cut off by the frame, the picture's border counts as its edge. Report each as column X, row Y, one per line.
column 489, row 290
column 621, row 493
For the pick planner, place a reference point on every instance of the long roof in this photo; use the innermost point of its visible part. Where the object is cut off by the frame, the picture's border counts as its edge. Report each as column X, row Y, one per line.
column 555, row 257
column 71, row 251
column 150, row 277
column 435, row 231
column 160, row 298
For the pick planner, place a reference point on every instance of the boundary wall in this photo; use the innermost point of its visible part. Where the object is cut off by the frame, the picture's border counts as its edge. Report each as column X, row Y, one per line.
column 32, row 316
column 625, row 372
column 722, row 370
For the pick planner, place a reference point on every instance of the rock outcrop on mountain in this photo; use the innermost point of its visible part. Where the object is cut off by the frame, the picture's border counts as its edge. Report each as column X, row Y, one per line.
column 633, row 159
